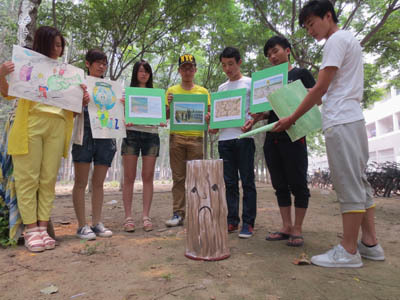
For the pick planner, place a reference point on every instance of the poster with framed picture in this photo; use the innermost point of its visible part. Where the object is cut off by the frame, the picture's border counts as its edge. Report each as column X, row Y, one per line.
column 188, row 111
column 264, row 83
column 228, row 109
column 144, row 106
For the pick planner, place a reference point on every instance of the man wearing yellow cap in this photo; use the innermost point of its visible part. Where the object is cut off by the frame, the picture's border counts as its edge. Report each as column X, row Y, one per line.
column 183, row 145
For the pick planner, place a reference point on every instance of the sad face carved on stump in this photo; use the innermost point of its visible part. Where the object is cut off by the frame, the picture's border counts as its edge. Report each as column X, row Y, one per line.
column 206, row 221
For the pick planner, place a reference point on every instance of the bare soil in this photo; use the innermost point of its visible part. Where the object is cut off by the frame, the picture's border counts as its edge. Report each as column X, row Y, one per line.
column 152, row 265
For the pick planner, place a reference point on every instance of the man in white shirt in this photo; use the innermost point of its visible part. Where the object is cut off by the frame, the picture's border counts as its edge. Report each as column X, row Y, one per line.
column 340, row 85
column 238, row 154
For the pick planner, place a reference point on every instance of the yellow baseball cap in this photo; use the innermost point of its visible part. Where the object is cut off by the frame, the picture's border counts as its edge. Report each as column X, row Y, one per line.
column 186, row 59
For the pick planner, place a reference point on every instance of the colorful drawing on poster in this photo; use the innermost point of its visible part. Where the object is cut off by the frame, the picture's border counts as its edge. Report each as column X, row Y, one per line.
column 106, row 112
column 42, row 79
column 104, row 98
column 189, row 113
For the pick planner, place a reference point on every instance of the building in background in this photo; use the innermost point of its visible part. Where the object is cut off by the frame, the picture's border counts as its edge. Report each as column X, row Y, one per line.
column 383, row 128
column 382, row 121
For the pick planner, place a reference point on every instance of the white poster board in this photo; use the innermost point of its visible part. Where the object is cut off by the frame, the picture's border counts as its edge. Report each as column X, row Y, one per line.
column 42, row 79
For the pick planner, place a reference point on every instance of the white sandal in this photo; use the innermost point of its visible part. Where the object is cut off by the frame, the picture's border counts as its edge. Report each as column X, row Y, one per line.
column 147, row 224
column 33, row 240
column 49, row 243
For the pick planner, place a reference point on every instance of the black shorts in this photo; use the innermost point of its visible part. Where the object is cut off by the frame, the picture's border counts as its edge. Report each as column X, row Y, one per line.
column 139, row 141
column 100, row 151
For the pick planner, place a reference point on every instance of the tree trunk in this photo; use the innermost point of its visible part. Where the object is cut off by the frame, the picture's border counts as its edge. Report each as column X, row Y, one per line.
column 27, row 22
column 206, row 225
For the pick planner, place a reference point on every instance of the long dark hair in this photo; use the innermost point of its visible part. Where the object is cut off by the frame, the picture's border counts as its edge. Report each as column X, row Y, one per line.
column 147, row 67
column 44, row 40
column 95, row 55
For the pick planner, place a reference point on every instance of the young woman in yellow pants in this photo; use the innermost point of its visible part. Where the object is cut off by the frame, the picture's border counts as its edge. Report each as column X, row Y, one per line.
column 38, row 139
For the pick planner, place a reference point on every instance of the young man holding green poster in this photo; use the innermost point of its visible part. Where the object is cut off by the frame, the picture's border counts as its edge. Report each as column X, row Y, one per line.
column 238, row 154
column 340, row 85
column 183, row 145
column 287, row 161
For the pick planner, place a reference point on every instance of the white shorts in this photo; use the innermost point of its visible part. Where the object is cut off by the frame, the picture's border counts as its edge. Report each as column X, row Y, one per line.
column 347, row 151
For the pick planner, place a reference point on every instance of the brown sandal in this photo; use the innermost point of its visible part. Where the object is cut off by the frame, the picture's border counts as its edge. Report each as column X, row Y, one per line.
column 147, row 225
column 129, row 226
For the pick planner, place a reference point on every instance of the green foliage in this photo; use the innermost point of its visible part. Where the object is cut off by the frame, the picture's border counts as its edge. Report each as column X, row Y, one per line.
column 4, row 228
column 372, row 93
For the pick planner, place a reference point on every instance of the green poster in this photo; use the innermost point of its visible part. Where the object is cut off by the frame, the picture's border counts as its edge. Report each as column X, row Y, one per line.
column 264, row 83
column 188, row 111
column 286, row 100
column 144, row 106
column 228, row 109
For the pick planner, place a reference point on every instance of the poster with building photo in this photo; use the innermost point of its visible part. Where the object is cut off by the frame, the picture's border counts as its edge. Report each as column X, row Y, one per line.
column 188, row 111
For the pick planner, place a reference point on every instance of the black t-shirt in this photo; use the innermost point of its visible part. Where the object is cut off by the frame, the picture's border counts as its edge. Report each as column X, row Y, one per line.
column 294, row 74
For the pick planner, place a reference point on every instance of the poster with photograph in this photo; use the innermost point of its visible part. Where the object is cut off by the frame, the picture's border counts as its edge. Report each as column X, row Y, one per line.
column 228, row 109
column 286, row 100
column 264, row 83
column 42, row 79
column 188, row 111
column 145, row 106
column 106, row 112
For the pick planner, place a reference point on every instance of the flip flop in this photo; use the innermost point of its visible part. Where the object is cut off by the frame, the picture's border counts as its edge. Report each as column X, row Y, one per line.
column 280, row 236
column 291, row 242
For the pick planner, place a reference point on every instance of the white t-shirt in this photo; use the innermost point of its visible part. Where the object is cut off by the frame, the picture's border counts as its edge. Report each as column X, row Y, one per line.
column 244, row 82
column 341, row 103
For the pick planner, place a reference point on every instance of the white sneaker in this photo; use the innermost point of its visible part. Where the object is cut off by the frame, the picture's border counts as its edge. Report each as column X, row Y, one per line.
column 373, row 253
column 338, row 257
column 100, row 230
column 176, row 220
column 85, row 233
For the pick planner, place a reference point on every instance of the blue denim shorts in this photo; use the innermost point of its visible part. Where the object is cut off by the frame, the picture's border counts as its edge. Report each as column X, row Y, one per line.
column 100, row 151
column 139, row 141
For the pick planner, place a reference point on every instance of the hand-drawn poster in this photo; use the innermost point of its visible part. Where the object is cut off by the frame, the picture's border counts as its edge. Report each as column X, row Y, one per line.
column 106, row 112
column 264, row 83
column 187, row 112
column 144, row 106
column 286, row 100
column 228, row 109
column 45, row 80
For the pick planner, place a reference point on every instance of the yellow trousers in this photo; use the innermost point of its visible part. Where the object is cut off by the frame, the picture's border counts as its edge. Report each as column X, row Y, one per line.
column 35, row 173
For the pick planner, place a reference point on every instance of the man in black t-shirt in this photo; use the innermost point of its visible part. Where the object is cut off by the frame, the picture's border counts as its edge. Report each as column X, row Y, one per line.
column 287, row 161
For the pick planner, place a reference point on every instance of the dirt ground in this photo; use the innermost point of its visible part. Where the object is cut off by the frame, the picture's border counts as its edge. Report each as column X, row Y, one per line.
column 152, row 265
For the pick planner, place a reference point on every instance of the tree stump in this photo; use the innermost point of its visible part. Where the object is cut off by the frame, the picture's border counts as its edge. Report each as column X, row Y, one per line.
column 206, row 211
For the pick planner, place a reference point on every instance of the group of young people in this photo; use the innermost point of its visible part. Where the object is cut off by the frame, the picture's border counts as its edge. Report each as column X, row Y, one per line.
column 41, row 135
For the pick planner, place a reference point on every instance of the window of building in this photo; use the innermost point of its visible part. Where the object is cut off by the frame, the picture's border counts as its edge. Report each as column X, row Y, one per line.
column 371, row 130
column 385, row 125
column 386, row 155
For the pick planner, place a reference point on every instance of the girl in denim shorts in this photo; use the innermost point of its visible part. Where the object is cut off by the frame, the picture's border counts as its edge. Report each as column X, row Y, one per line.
column 101, row 152
column 139, row 139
